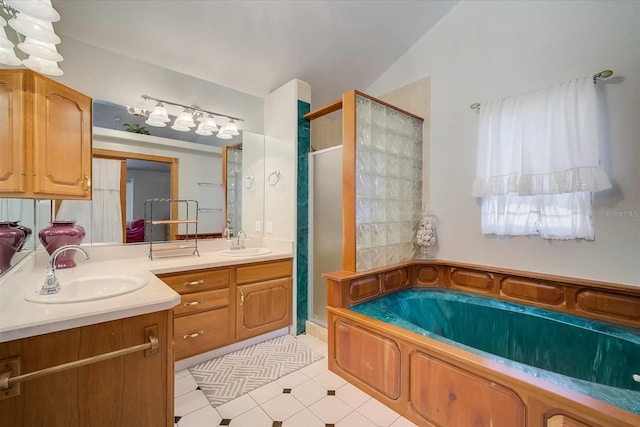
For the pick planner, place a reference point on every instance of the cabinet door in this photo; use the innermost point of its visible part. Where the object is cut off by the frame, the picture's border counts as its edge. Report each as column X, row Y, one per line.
column 62, row 141
column 12, row 138
column 126, row 391
column 263, row 307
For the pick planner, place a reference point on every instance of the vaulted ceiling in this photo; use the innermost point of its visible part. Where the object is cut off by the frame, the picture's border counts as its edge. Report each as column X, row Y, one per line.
column 256, row 46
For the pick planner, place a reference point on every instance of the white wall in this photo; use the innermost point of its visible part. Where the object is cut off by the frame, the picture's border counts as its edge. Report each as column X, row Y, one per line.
column 102, row 74
column 485, row 50
column 281, row 150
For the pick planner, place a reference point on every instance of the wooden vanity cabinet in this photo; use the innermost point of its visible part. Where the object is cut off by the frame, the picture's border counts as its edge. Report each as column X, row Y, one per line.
column 202, row 320
column 45, row 129
column 263, row 296
column 129, row 390
column 220, row 306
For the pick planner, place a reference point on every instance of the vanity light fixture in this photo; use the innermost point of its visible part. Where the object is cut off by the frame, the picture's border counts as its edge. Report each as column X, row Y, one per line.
column 186, row 120
column 32, row 22
column 158, row 116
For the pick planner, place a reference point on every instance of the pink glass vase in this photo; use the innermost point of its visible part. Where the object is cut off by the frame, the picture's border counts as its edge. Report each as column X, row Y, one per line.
column 11, row 239
column 58, row 234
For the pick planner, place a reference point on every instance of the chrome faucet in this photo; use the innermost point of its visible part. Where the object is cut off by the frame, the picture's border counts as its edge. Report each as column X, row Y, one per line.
column 51, row 284
column 238, row 242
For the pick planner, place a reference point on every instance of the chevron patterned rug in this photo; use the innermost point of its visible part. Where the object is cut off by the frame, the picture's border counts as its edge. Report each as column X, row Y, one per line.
column 234, row 374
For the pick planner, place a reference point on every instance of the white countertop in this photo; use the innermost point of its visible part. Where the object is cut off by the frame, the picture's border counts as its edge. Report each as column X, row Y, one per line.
column 20, row 318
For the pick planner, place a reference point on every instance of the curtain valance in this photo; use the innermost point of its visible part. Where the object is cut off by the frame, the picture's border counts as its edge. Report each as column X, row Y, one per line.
column 541, row 142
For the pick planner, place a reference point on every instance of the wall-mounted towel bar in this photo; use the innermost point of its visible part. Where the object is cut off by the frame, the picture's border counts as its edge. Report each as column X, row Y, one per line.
column 12, row 366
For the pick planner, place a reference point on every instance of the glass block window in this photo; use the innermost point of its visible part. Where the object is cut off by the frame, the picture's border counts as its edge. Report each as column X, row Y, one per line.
column 388, row 184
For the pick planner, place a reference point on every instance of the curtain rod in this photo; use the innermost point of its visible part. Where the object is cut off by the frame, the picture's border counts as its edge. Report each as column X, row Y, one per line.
column 605, row 74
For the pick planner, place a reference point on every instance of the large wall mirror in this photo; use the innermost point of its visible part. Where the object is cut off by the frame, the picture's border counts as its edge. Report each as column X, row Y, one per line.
column 135, row 167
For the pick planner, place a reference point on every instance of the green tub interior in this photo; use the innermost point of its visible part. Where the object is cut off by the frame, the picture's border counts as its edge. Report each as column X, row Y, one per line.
column 592, row 357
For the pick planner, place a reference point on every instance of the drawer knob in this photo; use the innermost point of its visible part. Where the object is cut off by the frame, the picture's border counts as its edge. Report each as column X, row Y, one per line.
column 193, row 335
column 194, row 283
column 188, row 304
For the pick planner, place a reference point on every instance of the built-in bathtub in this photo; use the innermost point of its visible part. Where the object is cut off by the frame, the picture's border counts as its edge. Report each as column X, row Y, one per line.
column 442, row 357
column 596, row 358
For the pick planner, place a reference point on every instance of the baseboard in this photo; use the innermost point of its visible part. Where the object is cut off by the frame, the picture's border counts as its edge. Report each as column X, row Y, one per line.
column 316, row 331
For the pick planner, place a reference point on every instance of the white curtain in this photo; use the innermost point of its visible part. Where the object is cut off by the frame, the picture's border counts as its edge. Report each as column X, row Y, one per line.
column 554, row 216
column 538, row 162
column 103, row 213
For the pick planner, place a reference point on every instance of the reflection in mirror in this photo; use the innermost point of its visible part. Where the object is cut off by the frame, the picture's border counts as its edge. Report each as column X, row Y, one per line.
column 232, row 174
column 251, row 190
column 198, row 177
column 17, row 222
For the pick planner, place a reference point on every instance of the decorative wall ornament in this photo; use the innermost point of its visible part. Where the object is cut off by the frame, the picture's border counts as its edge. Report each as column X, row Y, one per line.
column 426, row 235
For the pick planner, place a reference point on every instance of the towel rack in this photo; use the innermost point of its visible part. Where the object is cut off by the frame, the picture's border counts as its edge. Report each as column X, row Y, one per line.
column 6, row 380
column 276, row 177
column 604, row 74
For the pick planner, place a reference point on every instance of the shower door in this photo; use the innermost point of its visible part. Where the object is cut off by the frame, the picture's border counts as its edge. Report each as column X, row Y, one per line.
column 326, row 238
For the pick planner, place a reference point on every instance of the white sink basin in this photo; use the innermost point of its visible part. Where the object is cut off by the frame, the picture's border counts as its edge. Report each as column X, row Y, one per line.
column 245, row 252
column 89, row 289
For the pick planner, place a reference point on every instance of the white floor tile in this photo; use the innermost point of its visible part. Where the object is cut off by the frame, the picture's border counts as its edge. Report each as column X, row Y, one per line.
column 237, row 406
column 190, row 402
column 308, row 392
column 329, row 380
column 308, row 404
column 184, row 385
column 282, row 407
column 204, row 417
column 330, row 409
column 403, row 422
column 321, row 350
column 310, row 341
column 255, row 417
column 355, row 419
column 266, row 392
column 316, row 368
column 293, row 379
column 378, row 413
column 352, row 395
column 182, row 373
column 304, row 418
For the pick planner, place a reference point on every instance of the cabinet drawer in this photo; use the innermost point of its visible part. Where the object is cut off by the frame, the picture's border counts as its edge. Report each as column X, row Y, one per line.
column 264, row 271
column 201, row 301
column 201, row 332
column 197, row 280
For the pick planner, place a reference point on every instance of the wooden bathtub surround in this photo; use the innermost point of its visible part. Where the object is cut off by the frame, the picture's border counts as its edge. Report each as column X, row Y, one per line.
column 611, row 302
column 435, row 384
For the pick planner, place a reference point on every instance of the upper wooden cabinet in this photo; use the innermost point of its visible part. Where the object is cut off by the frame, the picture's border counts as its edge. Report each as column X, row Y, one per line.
column 45, row 129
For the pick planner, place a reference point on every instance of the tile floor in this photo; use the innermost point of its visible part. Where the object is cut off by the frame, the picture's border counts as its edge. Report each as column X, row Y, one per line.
column 310, row 397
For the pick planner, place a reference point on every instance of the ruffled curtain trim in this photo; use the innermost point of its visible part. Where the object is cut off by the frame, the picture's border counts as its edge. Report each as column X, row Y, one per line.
column 580, row 179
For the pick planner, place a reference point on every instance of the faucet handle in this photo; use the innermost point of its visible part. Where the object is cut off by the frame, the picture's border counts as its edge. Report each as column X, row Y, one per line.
column 51, row 284
column 226, row 234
